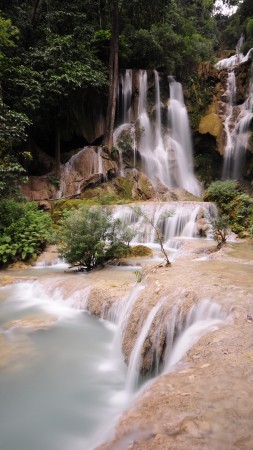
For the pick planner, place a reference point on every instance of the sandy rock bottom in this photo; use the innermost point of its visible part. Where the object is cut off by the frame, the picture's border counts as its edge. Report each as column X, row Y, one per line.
column 206, row 402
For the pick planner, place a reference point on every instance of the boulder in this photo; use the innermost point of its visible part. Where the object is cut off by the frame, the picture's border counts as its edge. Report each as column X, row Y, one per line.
column 212, row 124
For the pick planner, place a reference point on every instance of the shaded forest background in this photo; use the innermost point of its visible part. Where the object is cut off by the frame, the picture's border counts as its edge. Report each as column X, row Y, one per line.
column 54, row 62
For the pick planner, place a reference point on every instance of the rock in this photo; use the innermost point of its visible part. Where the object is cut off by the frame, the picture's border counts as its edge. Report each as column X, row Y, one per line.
column 212, row 124
column 135, row 186
column 39, row 188
column 48, row 257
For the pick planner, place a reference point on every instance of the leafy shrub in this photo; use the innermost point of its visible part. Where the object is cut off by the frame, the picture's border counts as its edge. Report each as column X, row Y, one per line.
column 232, row 202
column 222, row 192
column 25, row 230
column 219, row 228
column 90, row 237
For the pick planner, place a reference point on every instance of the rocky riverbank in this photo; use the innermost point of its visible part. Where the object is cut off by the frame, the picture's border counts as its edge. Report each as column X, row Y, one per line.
column 207, row 401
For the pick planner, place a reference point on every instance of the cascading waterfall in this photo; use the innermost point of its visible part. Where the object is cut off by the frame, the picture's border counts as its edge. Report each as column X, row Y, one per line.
column 181, row 222
column 181, row 144
column 165, row 148
column 88, row 346
column 229, row 147
column 136, row 358
column 127, row 91
column 182, row 333
column 238, row 117
column 202, row 318
column 119, row 314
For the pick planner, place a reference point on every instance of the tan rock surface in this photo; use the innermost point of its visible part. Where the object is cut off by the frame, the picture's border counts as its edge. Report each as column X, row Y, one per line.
column 207, row 402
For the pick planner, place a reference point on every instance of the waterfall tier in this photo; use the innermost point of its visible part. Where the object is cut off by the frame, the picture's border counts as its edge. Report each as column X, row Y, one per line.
column 238, row 118
column 175, row 219
column 160, row 134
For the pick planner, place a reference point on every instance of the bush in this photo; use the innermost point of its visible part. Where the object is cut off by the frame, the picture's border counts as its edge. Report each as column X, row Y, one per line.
column 24, row 229
column 219, row 228
column 90, row 237
column 232, row 202
column 222, row 192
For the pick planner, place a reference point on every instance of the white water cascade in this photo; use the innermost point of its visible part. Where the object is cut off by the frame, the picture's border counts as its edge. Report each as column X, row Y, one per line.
column 96, row 387
column 164, row 145
column 238, row 117
column 119, row 314
column 127, row 83
column 176, row 219
column 181, row 143
column 136, row 355
column 202, row 318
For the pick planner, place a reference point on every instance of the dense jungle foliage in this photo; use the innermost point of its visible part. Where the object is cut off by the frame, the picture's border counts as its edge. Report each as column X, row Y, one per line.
column 54, row 54
column 54, row 59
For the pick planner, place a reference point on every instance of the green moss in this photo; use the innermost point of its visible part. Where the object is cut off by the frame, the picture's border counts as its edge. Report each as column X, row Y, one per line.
column 232, row 201
column 59, row 206
column 124, row 188
column 198, row 94
column 91, row 197
column 140, row 250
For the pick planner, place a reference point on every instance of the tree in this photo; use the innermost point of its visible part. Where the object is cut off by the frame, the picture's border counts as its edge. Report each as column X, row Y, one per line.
column 13, row 124
column 90, row 236
column 113, row 77
column 156, row 225
column 219, row 228
column 24, row 231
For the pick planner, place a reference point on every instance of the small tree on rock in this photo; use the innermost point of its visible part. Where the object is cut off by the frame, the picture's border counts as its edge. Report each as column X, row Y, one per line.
column 90, row 237
column 219, row 228
column 156, row 225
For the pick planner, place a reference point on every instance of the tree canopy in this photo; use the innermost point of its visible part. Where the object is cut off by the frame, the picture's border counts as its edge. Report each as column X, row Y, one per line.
column 54, row 55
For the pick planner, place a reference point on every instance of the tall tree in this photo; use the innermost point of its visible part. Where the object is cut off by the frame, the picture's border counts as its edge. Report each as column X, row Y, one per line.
column 113, row 77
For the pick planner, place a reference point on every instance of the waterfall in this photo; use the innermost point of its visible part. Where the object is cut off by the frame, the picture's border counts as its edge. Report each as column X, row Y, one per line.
column 202, row 318
column 127, row 90
column 229, row 147
column 165, row 152
column 181, row 222
column 181, row 144
column 238, row 117
column 120, row 313
column 136, row 355
column 158, row 109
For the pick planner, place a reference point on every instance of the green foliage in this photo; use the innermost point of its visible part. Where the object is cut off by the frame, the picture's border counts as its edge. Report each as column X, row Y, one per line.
column 8, row 34
column 157, row 226
column 24, row 231
column 139, row 276
column 238, row 23
column 90, row 237
column 12, row 132
column 219, row 228
column 222, row 192
column 125, row 143
column 232, row 202
column 54, row 181
column 140, row 250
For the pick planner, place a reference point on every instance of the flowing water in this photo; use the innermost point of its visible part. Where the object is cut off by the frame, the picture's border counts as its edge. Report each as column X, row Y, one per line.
column 66, row 382
column 238, row 118
column 165, row 148
column 57, row 392
column 175, row 220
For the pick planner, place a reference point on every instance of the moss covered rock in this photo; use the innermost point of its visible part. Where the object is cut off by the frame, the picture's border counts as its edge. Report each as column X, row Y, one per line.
column 212, row 124
column 140, row 250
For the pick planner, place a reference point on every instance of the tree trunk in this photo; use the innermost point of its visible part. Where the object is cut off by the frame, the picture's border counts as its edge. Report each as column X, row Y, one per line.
column 58, row 150
column 113, row 78
column 34, row 11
